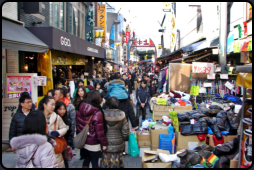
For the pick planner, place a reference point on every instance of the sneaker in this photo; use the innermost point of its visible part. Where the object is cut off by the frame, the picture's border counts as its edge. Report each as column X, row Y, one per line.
column 249, row 111
column 248, row 132
column 247, row 121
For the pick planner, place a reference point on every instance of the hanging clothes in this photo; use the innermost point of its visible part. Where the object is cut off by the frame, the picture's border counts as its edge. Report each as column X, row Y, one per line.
column 72, row 88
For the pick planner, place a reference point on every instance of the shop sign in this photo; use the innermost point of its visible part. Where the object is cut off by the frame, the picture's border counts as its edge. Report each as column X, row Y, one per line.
column 194, row 90
column 237, row 47
column 40, row 81
column 65, row 41
column 18, row 84
column 102, row 20
column 210, row 76
column 202, row 67
column 250, row 45
column 128, row 34
column 230, row 44
column 245, row 46
column 92, row 50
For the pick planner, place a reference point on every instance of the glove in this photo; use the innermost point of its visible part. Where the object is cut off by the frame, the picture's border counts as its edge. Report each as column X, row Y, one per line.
column 55, row 133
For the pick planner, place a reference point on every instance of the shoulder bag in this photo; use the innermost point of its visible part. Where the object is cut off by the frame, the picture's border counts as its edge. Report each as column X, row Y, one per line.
column 61, row 143
column 80, row 139
column 30, row 162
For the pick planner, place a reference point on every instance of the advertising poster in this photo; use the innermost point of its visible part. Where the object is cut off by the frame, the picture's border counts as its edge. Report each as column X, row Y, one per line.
column 40, row 81
column 102, row 20
column 18, row 84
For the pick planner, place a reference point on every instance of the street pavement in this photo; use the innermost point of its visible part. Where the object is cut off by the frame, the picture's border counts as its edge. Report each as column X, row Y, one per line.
column 9, row 158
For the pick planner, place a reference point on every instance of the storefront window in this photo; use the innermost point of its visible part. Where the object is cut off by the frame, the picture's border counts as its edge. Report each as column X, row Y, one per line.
column 56, row 14
column 77, row 19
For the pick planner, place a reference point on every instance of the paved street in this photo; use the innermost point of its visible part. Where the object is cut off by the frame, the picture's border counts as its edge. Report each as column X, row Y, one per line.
column 9, row 158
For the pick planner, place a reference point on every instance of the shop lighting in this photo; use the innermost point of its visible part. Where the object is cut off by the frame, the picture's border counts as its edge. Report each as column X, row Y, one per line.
column 26, row 67
column 92, row 58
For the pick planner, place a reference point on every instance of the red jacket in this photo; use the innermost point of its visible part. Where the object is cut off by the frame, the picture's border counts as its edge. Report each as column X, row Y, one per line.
column 96, row 128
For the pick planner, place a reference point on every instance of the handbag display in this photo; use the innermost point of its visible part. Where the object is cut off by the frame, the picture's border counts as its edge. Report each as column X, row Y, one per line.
column 61, row 143
column 80, row 139
column 30, row 162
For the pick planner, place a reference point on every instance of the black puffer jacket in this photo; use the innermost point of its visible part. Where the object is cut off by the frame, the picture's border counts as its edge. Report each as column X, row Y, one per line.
column 222, row 121
column 213, row 125
column 209, row 112
column 195, row 114
column 232, row 121
column 125, row 106
column 16, row 124
column 69, row 135
column 118, row 130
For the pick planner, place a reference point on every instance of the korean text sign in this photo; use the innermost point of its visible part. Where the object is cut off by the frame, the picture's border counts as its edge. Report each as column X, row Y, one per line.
column 18, row 84
column 102, row 20
column 202, row 67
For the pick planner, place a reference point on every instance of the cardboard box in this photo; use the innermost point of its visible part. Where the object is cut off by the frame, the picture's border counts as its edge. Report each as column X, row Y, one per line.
column 226, row 139
column 154, row 148
column 184, row 142
column 150, row 155
column 160, row 111
column 182, row 109
column 142, row 148
column 233, row 164
column 159, row 129
column 144, row 138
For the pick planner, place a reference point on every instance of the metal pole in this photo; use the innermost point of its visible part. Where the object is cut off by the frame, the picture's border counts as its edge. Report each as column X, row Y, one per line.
column 223, row 34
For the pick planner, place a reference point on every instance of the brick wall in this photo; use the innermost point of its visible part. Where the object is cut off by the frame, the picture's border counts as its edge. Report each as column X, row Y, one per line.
column 12, row 61
column 28, row 19
column 10, row 10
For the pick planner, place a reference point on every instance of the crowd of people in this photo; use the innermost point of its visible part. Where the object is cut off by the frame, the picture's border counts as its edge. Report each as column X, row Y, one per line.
column 39, row 136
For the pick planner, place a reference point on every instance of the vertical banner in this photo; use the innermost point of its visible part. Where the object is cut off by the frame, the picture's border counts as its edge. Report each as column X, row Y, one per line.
column 102, row 20
column 127, row 36
column 174, row 31
column 112, row 40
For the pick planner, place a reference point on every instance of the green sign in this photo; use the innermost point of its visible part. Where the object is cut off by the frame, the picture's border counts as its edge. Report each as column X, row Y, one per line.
column 161, row 101
column 194, row 90
column 191, row 90
column 250, row 46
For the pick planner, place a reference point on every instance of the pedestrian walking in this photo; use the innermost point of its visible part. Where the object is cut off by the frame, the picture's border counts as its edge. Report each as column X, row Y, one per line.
column 127, row 81
column 80, row 83
column 97, row 86
column 60, row 96
column 60, row 109
column 47, row 105
column 96, row 136
column 17, row 121
column 33, row 144
column 81, row 95
column 137, row 83
column 152, row 88
column 142, row 96
column 118, row 133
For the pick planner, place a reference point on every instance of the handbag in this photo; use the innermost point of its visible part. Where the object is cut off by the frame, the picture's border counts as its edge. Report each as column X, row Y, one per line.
column 133, row 145
column 30, row 162
column 61, row 143
column 80, row 139
column 67, row 154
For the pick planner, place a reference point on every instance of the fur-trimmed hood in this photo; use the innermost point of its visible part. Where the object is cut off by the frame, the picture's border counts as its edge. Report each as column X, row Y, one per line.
column 116, row 81
column 114, row 115
column 21, row 141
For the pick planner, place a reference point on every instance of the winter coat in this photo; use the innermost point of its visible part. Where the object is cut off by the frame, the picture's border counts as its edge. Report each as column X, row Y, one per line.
column 221, row 119
column 104, row 93
column 136, row 85
column 61, row 128
column 71, row 114
column 19, row 108
column 153, row 90
column 142, row 95
column 96, row 129
column 118, row 130
column 117, row 88
column 232, row 121
column 209, row 112
column 128, row 81
column 16, row 125
column 26, row 145
column 125, row 106
column 68, row 136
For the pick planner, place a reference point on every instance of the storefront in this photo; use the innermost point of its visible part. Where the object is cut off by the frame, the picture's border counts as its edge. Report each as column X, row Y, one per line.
column 65, row 51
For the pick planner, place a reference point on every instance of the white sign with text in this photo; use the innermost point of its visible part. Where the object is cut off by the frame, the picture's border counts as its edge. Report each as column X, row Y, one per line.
column 202, row 67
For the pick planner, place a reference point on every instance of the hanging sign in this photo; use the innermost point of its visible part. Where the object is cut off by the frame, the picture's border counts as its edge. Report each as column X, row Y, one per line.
column 194, row 90
column 223, row 76
column 202, row 67
column 207, row 84
column 237, row 47
column 250, row 46
column 18, row 84
column 202, row 90
column 102, row 20
column 128, row 34
column 40, row 81
column 229, row 85
column 230, row 44
column 210, row 76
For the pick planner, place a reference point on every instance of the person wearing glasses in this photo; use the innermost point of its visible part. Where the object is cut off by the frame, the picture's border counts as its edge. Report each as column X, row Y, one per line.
column 17, row 121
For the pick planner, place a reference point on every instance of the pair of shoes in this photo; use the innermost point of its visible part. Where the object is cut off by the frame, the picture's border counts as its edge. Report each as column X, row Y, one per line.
column 248, row 121
column 73, row 152
column 248, row 132
column 249, row 111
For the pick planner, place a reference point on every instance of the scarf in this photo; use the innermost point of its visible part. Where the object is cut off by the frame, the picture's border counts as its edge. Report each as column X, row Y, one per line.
column 103, row 115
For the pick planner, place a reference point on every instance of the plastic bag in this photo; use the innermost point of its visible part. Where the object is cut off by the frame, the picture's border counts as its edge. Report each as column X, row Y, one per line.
column 145, row 124
column 133, row 145
column 167, row 158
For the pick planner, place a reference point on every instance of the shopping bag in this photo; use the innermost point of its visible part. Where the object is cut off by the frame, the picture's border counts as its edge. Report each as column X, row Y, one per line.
column 133, row 145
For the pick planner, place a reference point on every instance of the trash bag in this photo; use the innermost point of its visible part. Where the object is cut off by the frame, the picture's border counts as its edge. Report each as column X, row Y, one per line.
column 133, row 145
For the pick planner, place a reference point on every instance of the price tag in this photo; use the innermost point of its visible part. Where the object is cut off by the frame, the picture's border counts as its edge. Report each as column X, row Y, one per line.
column 161, row 101
column 192, row 121
column 229, row 85
column 210, row 76
column 223, row 76
column 202, row 90
column 207, row 84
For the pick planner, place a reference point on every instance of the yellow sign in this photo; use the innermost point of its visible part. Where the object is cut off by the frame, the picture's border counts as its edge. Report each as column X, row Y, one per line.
column 161, row 101
column 250, row 46
column 102, row 20
column 146, row 57
column 244, row 80
column 237, row 47
column 194, row 90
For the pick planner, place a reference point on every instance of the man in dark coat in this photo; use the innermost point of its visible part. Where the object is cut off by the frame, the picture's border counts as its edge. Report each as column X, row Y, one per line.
column 18, row 119
column 127, row 81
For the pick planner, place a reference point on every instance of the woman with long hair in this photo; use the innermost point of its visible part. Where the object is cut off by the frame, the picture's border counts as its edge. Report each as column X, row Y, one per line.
column 47, row 106
column 96, row 138
column 61, row 110
column 97, row 86
column 80, row 95
column 34, row 141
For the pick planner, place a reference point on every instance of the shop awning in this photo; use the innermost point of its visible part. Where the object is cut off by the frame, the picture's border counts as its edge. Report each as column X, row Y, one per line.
column 15, row 36
column 192, row 46
column 113, row 62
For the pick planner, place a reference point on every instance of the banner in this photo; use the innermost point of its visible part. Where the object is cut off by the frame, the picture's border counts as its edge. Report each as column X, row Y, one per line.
column 202, row 67
column 127, row 36
column 18, row 84
column 102, row 20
